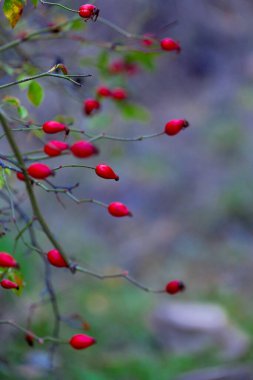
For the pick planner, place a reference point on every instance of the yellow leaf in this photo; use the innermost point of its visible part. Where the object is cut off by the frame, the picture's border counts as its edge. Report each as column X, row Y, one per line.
column 13, row 10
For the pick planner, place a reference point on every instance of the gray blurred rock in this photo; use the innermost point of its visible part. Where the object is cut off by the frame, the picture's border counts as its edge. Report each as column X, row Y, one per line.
column 241, row 373
column 184, row 328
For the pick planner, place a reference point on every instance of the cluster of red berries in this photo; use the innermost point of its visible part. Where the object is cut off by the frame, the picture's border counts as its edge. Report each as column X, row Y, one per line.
column 93, row 105
column 167, row 44
column 121, row 66
column 8, row 261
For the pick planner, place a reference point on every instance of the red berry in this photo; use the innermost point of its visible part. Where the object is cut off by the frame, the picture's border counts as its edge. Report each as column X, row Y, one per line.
column 29, row 337
column 7, row 261
column 83, row 149
column 118, row 209
column 81, row 341
column 103, row 91
column 7, row 284
column 106, row 172
column 131, row 68
column 119, row 94
column 20, row 176
column 91, row 106
column 54, row 148
column 56, row 259
column 117, row 67
column 88, row 11
column 174, row 287
column 173, row 127
column 39, row 171
column 52, row 127
column 148, row 40
column 169, row 44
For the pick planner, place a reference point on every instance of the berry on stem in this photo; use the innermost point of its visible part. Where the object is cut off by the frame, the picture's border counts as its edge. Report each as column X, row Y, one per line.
column 29, row 338
column 20, row 176
column 83, row 149
column 7, row 261
column 103, row 92
column 105, row 171
column 7, row 284
column 39, row 171
column 51, row 127
column 81, row 341
column 55, row 258
column 173, row 127
column 169, row 44
column 88, row 11
column 54, row 148
column 174, row 287
column 119, row 94
column 118, row 210
column 91, row 106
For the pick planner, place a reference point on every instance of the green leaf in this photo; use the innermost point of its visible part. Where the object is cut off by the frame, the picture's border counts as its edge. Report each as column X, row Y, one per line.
column 22, row 111
column 131, row 111
column 145, row 59
column 35, row 93
column 12, row 100
column 35, row 2
column 13, row 10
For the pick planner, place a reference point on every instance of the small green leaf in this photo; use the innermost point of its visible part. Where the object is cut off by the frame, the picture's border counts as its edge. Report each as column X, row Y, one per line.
column 35, row 93
column 35, row 2
column 22, row 111
column 13, row 10
column 131, row 111
column 12, row 100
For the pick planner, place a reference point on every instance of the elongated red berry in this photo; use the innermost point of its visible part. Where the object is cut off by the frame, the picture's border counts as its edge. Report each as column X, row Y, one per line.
column 91, row 106
column 54, row 148
column 119, row 94
column 20, row 176
column 7, row 284
column 105, row 171
column 52, row 127
column 174, row 287
column 39, row 171
column 7, row 261
column 118, row 209
column 88, row 11
column 83, row 149
column 173, row 127
column 56, row 259
column 29, row 338
column 103, row 91
column 169, row 44
column 81, row 341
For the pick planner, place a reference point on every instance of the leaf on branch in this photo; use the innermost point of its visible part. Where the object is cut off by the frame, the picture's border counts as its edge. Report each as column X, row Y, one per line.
column 15, row 102
column 35, row 93
column 13, row 10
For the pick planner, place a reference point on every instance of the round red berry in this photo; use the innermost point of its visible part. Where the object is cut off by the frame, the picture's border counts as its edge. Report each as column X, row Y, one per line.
column 88, row 11
column 148, row 40
column 173, row 127
column 83, row 149
column 119, row 94
column 174, row 287
column 169, row 44
column 7, row 261
column 52, row 127
column 39, row 171
column 91, row 106
column 56, row 259
column 117, row 67
column 7, row 284
column 20, row 176
column 105, row 171
column 118, row 209
column 81, row 341
column 54, row 148
column 103, row 91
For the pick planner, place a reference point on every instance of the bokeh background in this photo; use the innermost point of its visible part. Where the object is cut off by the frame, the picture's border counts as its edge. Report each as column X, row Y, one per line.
column 191, row 197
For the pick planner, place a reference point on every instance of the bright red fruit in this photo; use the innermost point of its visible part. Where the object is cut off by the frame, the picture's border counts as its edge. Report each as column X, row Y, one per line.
column 106, row 172
column 91, row 106
column 20, row 176
column 83, row 149
column 7, row 261
column 88, row 11
column 118, row 209
column 39, row 171
column 56, row 259
column 52, row 127
column 173, row 127
column 148, row 40
column 7, row 284
column 174, row 287
column 119, row 94
column 169, row 44
column 54, row 148
column 103, row 91
column 81, row 341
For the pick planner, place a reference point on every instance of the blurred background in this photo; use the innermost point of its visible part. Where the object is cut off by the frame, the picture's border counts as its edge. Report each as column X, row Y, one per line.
column 191, row 196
